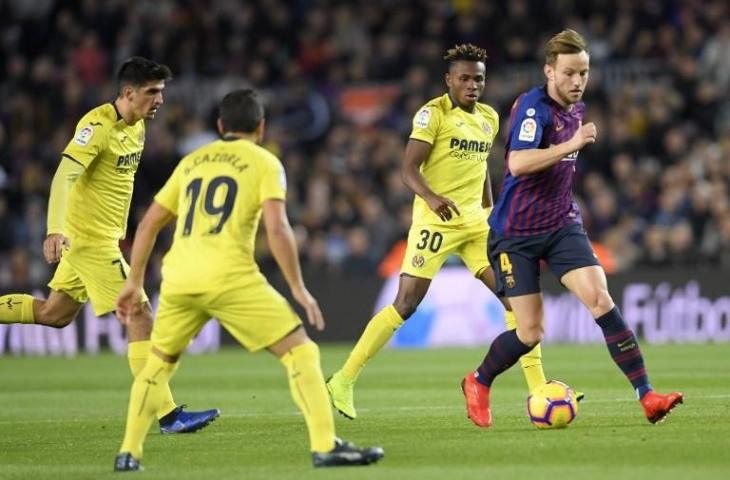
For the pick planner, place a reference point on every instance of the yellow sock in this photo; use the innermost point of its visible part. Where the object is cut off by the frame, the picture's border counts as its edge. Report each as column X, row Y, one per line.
column 137, row 353
column 379, row 330
column 148, row 393
column 16, row 308
column 306, row 383
column 531, row 362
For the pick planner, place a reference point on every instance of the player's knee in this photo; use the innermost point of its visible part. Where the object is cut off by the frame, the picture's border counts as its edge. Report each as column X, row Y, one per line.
column 406, row 306
column 530, row 336
column 600, row 302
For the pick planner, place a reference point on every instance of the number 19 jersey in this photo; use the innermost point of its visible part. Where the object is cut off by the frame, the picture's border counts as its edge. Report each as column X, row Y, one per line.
column 217, row 193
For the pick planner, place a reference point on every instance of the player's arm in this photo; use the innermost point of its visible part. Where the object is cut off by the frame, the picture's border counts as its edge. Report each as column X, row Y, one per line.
column 487, row 198
column 284, row 247
column 534, row 160
column 154, row 220
column 416, row 153
column 67, row 173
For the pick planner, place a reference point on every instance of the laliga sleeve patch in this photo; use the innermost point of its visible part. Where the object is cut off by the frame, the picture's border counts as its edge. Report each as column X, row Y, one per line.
column 527, row 130
column 84, row 135
column 282, row 178
column 423, row 118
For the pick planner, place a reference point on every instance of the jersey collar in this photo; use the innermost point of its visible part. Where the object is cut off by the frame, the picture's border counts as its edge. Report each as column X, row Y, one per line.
column 120, row 119
column 453, row 102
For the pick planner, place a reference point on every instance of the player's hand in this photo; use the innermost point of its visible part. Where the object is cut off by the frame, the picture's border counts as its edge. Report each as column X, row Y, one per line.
column 53, row 246
column 442, row 207
column 310, row 305
column 584, row 135
column 129, row 303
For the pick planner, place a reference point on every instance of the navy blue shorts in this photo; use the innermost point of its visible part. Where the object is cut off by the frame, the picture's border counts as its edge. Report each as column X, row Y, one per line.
column 516, row 260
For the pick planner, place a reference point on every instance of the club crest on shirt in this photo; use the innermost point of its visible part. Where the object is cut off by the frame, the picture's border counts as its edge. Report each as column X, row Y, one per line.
column 487, row 128
column 423, row 118
column 528, row 130
column 84, row 135
column 418, row 261
column 509, row 280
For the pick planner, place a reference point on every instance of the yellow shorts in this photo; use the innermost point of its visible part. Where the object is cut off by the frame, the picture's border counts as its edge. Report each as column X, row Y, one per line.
column 93, row 273
column 430, row 245
column 256, row 315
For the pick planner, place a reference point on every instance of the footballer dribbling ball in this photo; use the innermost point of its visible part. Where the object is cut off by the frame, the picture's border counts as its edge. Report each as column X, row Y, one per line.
column 552, row 405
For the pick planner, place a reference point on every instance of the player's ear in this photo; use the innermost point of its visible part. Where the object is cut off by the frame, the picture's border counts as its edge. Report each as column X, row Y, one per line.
column 219, row 124
column 549, row 72
column 447, row 79
column 260, row 128
column 128, row 92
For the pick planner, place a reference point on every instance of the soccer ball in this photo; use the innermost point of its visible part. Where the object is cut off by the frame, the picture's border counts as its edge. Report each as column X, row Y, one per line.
column 552, row 405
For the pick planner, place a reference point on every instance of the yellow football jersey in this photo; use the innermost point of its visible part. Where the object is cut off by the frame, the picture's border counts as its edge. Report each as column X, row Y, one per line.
column 98, row 205
column 456, row 166
column 217, row 192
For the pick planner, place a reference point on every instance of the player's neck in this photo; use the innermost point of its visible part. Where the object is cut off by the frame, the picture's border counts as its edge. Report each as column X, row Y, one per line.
column 553, row 93
column 231, row 136
column 467, row 109
column 124, row 109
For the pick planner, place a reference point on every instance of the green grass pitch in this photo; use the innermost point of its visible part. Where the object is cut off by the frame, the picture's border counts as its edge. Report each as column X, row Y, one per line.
column 64, row 418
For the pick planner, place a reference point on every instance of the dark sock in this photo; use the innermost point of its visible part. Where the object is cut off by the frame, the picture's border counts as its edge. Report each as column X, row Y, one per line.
column 624, row 350
column 504, row 352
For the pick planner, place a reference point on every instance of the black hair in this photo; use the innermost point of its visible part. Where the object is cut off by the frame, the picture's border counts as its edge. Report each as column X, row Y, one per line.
column 137, row 71
column 466, row 52
column 241, row 111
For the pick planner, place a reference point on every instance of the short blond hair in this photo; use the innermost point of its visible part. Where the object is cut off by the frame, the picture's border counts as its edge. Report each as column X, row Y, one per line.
column 567, row 41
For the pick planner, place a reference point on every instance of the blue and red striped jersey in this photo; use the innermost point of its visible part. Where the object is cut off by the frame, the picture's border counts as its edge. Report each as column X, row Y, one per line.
column 542, row 202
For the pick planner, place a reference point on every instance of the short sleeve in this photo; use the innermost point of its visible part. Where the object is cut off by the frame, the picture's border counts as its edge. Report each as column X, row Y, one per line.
column 90, row 138
column 426, row 124
column 273, row 181
column 530, row 117
column 169, row 194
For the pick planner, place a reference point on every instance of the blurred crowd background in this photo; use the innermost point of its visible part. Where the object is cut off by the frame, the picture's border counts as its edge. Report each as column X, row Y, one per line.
column 341, row 81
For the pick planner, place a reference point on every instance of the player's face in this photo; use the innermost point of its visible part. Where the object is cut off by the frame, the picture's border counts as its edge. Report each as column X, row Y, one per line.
column 569, row 76
column 466, row 83
column 147, row 99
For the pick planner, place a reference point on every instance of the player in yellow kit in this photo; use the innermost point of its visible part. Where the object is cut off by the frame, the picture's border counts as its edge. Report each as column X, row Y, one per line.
column 445, row 164
column 87, row 216
column 218, row 194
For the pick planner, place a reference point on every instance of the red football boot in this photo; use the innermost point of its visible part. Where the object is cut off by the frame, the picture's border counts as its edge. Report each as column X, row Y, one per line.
column 477, row 401
column 657, row 406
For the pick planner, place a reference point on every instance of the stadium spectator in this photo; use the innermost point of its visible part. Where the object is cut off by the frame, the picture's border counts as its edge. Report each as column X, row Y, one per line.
column 659, row 94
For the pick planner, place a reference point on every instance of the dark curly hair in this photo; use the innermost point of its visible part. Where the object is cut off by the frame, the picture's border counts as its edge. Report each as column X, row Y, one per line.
column 465, row 52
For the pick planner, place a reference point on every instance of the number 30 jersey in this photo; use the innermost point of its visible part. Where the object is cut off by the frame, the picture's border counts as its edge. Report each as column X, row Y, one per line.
column 217, row 193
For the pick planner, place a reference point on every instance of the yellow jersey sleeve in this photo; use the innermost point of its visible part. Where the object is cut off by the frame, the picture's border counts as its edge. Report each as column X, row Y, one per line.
column 273, row 180
column 169, row 194
column 90, row 139
column 426, row 123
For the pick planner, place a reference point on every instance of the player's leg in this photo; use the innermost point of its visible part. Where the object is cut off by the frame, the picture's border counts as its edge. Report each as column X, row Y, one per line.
column 428, row 247
column 474, row 254
column 518, row 279
column 378, row 332
column 531, row 362
column 300, row 357
column 504, row 351
column 172, row 418
column 180, row 319
column 103, row 271
column 57, row 311
column 259, row 317
column 590, row 286
column 60, row 308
